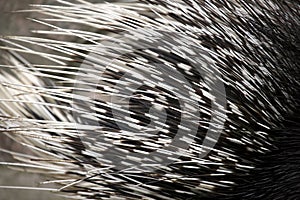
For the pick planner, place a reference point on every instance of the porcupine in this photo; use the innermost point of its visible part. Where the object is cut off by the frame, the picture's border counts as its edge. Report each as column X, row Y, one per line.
column 251, row 47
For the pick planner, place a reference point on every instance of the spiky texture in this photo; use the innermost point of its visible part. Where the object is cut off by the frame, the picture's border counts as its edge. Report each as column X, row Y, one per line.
column 253, row 48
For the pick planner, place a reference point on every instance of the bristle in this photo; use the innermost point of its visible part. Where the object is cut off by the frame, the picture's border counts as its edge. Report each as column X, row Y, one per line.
column 153, row 99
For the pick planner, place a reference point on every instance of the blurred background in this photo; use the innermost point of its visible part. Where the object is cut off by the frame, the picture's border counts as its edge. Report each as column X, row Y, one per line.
column 16, row 23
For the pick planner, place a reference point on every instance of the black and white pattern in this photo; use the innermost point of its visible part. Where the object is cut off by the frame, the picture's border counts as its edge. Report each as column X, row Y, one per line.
column 153, row 99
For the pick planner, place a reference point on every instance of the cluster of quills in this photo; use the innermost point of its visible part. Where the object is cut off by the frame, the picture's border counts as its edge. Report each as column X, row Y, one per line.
column 154, row 99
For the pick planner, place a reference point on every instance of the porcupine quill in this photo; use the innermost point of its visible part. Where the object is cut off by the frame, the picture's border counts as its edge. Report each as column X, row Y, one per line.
column 102, row 114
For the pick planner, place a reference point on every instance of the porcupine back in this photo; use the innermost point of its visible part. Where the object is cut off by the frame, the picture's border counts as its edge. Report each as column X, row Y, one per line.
column 63, row 111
